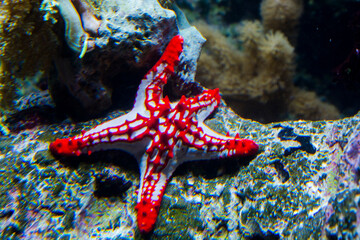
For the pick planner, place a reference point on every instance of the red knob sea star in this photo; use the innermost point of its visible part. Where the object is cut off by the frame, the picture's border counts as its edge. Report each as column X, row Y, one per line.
column 160, row 134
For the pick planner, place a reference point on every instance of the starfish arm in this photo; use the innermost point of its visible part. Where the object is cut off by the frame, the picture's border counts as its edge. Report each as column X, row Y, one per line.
column 188, row 111
column 200, row 141
column 149, row 94
column 209, row 144
column 154, row 179
column 200, row 106
column 126, row 132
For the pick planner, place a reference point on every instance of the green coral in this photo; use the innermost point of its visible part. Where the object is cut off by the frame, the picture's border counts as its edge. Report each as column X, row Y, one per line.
column 27, row 44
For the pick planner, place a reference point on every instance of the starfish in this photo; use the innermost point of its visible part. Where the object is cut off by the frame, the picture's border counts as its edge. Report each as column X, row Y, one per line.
column 160, row 134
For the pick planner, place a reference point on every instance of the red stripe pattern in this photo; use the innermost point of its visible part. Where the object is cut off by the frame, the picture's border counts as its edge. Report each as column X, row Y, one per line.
column 160, row 134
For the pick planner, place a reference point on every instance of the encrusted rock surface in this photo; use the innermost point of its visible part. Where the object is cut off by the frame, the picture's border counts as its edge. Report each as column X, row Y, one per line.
column 303, row 184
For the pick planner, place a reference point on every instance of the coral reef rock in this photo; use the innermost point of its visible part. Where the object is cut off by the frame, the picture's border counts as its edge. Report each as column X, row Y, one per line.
column 130, row 39
column 303, row 184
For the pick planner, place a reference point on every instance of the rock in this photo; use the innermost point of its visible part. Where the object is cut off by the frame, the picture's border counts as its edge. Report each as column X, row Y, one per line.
column 30, row 110
column 303, row 184
column 131, row 37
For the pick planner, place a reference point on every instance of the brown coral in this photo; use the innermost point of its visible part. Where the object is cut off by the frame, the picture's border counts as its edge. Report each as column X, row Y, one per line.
column 307, row 105
column 282, row 15
column 219, row 61
column 262, row 70
column 270, row 61
column 256, row 81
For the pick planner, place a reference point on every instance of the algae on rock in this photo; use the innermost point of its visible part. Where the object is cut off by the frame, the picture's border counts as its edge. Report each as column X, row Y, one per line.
column 27, row 44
